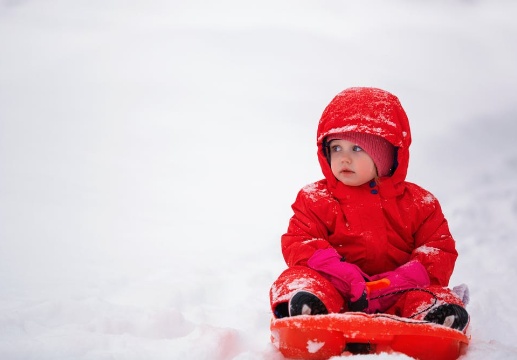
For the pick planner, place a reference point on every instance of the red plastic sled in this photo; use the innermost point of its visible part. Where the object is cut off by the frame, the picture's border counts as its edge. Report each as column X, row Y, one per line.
column 324, row 336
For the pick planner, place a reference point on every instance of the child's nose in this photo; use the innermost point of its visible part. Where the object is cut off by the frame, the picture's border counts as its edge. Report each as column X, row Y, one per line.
column 346, row 158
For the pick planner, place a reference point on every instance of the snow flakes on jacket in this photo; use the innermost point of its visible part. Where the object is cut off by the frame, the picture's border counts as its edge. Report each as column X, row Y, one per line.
column 379, row 225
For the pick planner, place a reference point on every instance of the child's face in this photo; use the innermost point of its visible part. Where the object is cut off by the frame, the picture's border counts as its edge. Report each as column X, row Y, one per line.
column 350, row 164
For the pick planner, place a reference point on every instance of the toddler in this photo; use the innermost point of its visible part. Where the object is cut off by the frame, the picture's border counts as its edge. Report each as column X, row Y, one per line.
column 363, row 238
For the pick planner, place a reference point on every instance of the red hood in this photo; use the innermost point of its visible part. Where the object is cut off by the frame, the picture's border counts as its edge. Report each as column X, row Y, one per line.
column 367, row 110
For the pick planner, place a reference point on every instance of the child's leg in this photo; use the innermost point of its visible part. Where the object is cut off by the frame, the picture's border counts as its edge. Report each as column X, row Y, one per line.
column 426, row 304
column 298, row 278
column 416, row 304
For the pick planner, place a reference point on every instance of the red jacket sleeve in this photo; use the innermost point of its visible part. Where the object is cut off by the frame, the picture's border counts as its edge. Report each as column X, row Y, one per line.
column 307, row 231
column 435, row 247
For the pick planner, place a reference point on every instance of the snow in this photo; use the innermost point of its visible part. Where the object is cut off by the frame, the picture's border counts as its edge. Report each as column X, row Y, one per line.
column 314, row 192
column 427, row 250
column 314, row 346
column 150, row 152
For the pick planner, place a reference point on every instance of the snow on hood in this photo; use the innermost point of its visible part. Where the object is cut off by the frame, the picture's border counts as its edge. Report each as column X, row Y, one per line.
column 367, row 110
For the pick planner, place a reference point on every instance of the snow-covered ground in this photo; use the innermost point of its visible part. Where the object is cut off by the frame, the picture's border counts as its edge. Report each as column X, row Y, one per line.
column 150, row 152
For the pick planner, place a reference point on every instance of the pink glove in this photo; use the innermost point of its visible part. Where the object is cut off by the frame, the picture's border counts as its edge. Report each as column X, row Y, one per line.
column 408, row 276
column 347, row 278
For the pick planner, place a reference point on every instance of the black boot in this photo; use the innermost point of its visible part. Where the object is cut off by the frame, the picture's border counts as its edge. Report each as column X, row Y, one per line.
column 450, row 315
column 306, row 303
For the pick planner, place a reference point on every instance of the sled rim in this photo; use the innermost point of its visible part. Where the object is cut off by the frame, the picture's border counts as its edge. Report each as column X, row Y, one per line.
column 369, row 324
column 323, row 336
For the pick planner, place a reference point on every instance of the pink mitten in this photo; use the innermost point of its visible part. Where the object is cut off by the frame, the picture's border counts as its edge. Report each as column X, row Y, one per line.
column 408, row 276
column 347, row 278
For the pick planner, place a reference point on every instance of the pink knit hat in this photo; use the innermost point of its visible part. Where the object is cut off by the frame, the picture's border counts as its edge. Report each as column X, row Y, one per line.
column 380, row 150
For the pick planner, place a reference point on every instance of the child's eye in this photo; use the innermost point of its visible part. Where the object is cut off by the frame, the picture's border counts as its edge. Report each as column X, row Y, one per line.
column 335, row 148
column 357, row 148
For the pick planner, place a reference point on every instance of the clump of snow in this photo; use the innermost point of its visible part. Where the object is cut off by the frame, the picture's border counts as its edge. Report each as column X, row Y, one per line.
column 315, row 191
column 427, row 250
column 150, row 152
column 428, row 199
column 314, row 346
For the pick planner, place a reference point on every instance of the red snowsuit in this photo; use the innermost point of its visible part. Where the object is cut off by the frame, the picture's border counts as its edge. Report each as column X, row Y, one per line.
column 376, row 226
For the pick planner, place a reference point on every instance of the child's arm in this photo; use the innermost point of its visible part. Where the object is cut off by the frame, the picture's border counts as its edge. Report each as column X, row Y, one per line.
column 435, row 247
column 307, row 231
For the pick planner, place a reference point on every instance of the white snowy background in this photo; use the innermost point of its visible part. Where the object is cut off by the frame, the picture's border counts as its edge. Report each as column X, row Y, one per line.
column 150, row 152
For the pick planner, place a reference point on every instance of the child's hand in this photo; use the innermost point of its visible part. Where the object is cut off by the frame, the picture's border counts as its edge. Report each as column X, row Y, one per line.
column 347, row 278
column 384, row 289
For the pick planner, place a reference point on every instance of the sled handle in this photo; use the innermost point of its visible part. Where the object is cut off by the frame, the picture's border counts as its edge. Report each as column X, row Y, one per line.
column 377, row 285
